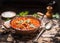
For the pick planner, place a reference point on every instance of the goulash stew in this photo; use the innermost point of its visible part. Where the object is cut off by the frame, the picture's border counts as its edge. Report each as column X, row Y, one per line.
column 25, row 23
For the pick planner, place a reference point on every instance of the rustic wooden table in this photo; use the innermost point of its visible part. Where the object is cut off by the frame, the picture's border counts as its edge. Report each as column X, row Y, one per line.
column 49, row 36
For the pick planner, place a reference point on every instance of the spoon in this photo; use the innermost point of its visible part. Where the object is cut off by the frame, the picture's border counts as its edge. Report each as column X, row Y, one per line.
column 47, row 27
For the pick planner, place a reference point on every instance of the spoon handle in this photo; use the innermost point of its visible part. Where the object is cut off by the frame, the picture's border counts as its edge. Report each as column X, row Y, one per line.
column 35, row 40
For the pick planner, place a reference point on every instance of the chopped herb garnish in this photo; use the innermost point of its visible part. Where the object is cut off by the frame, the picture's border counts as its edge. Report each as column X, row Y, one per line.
column 7, row 19
column 36, row 15
column 21, row 21
column 28, row 21
column 56, row 16
column 32, row 25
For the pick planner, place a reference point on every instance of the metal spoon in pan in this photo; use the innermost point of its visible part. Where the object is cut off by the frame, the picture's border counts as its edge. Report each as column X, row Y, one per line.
column 47, row 27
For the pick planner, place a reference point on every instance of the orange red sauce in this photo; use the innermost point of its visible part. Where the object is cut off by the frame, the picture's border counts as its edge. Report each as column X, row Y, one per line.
column 24, row 23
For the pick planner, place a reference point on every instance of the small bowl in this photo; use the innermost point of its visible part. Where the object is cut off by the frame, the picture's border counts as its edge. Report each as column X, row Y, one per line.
column 8, row 14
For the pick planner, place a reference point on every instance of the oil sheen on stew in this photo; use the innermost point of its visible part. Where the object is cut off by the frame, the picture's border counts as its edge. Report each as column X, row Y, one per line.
column 25, row 23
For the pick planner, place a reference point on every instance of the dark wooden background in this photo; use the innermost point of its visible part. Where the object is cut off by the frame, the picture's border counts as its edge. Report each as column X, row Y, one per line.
column 30, row 5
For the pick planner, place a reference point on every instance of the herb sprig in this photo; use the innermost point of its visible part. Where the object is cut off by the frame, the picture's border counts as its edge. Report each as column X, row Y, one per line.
column 23, row 13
